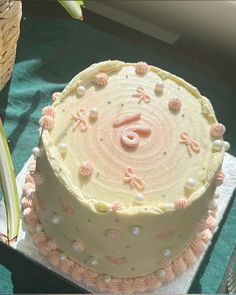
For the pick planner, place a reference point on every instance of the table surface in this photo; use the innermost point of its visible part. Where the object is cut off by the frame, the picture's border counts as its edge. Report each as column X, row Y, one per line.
column 51, row 50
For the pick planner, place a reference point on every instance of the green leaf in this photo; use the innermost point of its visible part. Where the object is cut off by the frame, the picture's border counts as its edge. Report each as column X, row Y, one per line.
column 9, row 188
column 73, row 7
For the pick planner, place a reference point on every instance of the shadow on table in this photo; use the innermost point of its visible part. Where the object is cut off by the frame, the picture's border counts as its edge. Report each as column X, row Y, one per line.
column 29, row 277
column 4, row 93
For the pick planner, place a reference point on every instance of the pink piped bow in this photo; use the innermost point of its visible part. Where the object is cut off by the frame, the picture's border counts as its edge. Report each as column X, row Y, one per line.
column 140, row 93
column 133, row 180
column 80, row 121
column 192, row 145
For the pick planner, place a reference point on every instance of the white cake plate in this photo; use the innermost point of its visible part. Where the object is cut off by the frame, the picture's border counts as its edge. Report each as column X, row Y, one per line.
column 180, row 285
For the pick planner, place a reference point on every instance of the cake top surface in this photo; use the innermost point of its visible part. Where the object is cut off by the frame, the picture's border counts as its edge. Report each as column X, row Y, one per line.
column 131, row 136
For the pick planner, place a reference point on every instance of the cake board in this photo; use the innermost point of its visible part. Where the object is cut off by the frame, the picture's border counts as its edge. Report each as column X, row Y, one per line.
column 180, row 285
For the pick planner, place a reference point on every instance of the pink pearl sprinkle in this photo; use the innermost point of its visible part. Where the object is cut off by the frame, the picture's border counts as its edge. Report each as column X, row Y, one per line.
column 101, row 79
column 86, row 168
column 181, row 203
column 174, row 104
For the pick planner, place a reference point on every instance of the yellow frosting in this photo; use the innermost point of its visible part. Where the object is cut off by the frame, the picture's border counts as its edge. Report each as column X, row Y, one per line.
column 160, row 161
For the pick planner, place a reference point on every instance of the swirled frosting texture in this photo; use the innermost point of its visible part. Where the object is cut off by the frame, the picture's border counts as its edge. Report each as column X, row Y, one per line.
column 158, row 158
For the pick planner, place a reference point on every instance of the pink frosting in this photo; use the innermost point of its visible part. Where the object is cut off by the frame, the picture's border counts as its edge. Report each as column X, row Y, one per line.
column 76, row 272
column 86, row 168
column 220, row 178
column 51, row 244
column 117, row 259
column 39, row 237
column 28, row 188
column 101, row 79
column 26, row 202
column 53, row 258
column 126, row 119
column 139, row 284
column 55, row 95
column 166, row 264
column 141, row 67
column 90, row 277
column 101, row 284
column 211, row 222
column 113, row 234
column 198, row 246
column 175, row 104
column 115, row 285
column 179, row 266
column 189, row 256
column 29, row 178
column 43, row 248
column 127, row 285
column 30, row 214
column 46, row 122
column 79, row 121
column 182, row 203
column 78, row 246
column 115, row 206
column 217, row 130
column 152, row 281
column 32, row 166
column 192, row 145
column 133, row 180
column 31, row 226
column 49, row 111
column 207, row 235
column 141, row 95
column 201, row 225
column 66, row 265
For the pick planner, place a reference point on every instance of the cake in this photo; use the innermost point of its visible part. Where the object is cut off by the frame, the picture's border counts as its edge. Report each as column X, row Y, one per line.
column 121, row 194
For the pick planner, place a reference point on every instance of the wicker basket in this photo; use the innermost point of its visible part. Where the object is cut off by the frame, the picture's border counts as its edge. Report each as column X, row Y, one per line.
column 10, row 15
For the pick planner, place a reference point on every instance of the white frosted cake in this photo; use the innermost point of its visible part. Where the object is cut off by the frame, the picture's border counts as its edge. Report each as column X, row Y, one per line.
column 123, row 193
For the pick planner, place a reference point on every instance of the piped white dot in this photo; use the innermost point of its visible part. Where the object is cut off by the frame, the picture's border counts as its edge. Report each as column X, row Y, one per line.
column 81, row 90
column 190, row 183
column 36, row 152
column 62, row 256
column 217, row 145
column 38, row 227
column 167, row 252
column 55, row 219
column 161, row 273
column 139, row 196
column 212, row 205
column 159, row 87
column 93, row 261
column 63, row 147
column 135, row 230
column 226, row 145
column 93, row 113
column 107, row 279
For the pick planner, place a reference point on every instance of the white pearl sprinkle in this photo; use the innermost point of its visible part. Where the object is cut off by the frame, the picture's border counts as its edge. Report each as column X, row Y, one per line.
column 93, row 261
column 38, row 227
column 55, row 219
column 81, row 90
column 159, row 87
column 31, row 194
column 107, row 279
column 190, row 183
column 218, row 145
column 226, row 145
column 62, row 256
column 167, row 252
column 139, row 197
column 93, row 113
column 63, row 147
column 36, row 152
column 161, row 273
column 135, row 230
column 212, row 205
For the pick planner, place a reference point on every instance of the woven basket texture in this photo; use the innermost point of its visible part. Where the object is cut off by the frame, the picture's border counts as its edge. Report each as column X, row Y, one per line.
column 10, row 15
